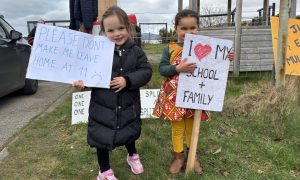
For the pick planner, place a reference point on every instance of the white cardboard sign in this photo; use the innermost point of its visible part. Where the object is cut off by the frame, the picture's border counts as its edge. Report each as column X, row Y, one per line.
column 204, row 88
column 81, row 103
column 148, row 98
column 63, row 55
column 80, row 106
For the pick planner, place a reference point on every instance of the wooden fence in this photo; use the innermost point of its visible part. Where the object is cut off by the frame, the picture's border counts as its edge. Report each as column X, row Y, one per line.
column 256, row 47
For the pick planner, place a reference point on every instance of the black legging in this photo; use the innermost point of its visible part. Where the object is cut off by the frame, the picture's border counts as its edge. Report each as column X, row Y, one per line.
column 103, row 156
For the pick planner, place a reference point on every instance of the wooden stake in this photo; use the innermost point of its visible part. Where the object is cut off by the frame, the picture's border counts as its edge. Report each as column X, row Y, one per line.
column 194, row 142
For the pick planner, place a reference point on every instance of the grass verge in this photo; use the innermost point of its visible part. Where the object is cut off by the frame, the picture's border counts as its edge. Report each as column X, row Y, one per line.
column 232, row 146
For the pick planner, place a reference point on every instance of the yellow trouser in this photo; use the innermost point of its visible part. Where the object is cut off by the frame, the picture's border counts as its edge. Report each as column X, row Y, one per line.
column 178, row 130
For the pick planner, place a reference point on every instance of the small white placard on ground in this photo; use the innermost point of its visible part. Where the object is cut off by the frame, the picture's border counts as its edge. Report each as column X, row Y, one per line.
column 148, row 98
column 80, row 106
column 204, row 88
column 81, row 103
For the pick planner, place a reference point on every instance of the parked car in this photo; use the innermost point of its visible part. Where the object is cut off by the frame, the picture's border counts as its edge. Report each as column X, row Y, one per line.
column 14, row 58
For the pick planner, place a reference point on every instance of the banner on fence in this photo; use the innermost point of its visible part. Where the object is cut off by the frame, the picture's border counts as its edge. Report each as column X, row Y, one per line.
column 204, row 88
column 81, row 102
column 63, row 55
column 293, row 47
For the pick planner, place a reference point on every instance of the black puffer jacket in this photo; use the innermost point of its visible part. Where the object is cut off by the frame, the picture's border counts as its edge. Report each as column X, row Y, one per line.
column 114, row 118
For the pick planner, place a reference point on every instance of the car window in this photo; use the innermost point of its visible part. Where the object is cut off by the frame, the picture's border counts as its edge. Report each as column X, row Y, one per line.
column 6, row 26
column 2, row 33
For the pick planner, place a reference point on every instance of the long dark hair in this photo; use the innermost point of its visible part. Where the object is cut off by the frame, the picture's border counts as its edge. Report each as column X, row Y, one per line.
column 120, row 13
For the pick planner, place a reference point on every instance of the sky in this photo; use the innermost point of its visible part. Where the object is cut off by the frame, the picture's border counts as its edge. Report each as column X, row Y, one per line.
column 17, row 13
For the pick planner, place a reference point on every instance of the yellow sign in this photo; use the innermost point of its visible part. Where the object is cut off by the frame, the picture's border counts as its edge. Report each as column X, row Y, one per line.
column 293, row 48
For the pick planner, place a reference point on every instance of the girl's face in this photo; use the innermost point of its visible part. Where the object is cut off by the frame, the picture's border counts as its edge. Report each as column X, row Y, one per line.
column 115, row 30
column 186, row 25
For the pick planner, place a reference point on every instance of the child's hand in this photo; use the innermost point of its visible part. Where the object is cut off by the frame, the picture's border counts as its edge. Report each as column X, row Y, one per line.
column 183, row 66
column 118, row 83
column 231, row 56
column 78, row 84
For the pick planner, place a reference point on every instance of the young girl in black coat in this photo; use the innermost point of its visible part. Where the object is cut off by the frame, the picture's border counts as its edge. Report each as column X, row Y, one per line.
column 114, row 114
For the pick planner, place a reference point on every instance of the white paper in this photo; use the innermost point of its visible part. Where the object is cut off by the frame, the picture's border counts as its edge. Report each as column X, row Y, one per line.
column 148, row 98
column 80, row 107
column 63, row 55
column 205, row 88
column 81, row 103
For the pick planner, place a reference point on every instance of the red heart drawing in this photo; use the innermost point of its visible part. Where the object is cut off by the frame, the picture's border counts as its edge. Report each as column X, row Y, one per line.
column 202, row 51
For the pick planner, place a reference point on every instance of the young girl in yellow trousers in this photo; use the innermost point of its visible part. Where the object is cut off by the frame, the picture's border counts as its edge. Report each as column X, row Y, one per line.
column 171, row 64
column 114, row 114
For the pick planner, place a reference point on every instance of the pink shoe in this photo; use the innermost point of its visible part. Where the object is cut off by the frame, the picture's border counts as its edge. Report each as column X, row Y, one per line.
column 135, row 164
column 107, row 175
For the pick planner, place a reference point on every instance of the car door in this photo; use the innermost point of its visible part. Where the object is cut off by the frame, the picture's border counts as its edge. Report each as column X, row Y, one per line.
column 10, row 64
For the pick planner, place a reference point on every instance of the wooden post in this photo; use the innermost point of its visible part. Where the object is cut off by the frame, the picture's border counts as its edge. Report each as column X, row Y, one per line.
column 180, row 4
column 103, row 5
column 273, row 9
column 229, row 13
column 194, row 5
column 237, row 42
column 266, row 12
column 198, row 6
column 194, row 142
column 292, row 8
column 282, row 43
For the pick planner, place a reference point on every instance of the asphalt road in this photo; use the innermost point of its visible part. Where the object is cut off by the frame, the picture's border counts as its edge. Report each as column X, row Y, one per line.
column 17, row 110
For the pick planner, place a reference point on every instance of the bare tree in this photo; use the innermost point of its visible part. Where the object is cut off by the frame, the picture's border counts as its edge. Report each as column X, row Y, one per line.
column 212, row 17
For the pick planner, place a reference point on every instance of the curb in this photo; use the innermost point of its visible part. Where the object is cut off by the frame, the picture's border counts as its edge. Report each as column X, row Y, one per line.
column 4, row 152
